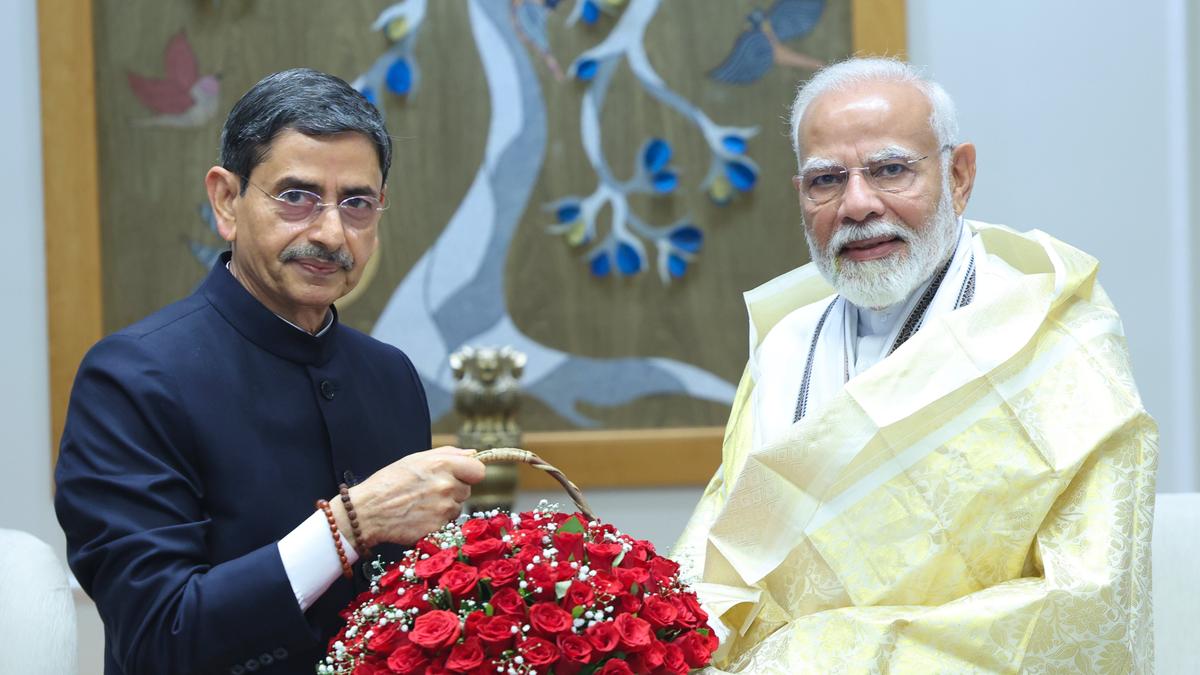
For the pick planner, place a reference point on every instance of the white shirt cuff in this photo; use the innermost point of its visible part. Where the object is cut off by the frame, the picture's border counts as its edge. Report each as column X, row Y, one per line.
column 310, row 559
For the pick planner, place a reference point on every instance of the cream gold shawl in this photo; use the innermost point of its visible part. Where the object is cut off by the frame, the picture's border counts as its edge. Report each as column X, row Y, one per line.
column 979, row 501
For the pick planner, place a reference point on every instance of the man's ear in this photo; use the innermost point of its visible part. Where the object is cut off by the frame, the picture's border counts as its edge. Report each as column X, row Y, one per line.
column 962, row 175
column 224, row 187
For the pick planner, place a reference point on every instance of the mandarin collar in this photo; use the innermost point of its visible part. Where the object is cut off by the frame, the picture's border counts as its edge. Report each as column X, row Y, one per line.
column 260, row 325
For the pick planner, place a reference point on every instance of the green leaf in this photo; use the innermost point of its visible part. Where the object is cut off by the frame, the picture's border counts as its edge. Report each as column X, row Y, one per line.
column 572, row 524
column 617, row 560
column 702, row 631
column 577, row 612
column 633, row 588
column 560, row 589
column 488, row 610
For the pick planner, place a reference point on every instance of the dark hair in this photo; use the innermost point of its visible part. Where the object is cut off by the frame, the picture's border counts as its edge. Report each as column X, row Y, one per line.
column 307, row 100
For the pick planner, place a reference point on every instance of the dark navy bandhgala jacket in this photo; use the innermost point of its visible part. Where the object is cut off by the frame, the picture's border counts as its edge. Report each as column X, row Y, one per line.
column 195, row 440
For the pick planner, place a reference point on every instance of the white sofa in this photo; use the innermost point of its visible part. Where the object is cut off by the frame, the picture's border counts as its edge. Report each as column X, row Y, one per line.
column 1176, row 560
column 37, row 610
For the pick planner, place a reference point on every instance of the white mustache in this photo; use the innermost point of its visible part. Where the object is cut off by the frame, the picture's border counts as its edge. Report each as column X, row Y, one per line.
column 850, row 234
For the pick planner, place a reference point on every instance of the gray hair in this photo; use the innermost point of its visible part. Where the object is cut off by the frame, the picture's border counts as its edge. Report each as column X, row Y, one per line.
column 845, row 74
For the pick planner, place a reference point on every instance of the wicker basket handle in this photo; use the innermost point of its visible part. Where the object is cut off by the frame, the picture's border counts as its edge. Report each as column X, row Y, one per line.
column 496, row 455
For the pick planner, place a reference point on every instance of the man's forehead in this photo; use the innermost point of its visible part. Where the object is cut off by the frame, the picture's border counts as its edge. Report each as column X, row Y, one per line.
column 869, row 116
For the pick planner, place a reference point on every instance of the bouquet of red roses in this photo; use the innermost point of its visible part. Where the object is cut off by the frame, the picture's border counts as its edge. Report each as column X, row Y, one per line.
column 536, row 593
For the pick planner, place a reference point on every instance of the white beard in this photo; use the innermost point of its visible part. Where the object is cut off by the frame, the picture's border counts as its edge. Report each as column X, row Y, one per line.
column 887, row 281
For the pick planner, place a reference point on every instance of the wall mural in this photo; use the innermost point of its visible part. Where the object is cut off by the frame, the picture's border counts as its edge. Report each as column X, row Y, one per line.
column 630, row 218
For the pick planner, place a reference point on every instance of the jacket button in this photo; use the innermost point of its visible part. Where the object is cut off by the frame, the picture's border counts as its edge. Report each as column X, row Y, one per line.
column 327, row 390
column 280, row 653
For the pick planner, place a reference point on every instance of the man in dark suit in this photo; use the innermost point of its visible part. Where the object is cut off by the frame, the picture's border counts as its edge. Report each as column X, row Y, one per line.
column 199, row 439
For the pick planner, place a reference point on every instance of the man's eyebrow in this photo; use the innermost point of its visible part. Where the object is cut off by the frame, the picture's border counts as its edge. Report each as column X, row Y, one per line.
column 891, row 152
column 818, row 164
column 294, row 183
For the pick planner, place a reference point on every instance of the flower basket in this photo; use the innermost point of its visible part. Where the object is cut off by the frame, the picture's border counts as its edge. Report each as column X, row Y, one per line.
column 536, row 593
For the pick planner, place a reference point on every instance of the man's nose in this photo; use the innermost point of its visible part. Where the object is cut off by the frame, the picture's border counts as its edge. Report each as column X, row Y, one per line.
column 860, row 201
column 326, row 228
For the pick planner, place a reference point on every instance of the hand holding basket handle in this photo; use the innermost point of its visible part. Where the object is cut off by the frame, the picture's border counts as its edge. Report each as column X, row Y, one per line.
column 496, row 455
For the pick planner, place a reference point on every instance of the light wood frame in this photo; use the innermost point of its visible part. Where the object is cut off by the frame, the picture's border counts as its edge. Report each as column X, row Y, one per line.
column 73, row 259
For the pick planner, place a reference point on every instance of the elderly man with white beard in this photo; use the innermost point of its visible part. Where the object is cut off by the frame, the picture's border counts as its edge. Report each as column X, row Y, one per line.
column 937, row 459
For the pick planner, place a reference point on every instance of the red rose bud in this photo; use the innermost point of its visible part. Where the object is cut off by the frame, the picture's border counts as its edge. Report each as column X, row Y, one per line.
column 427, row 547
column 459, row 580
column 697, row 649
column 540, row 581
column 615, row 667
column 390, row 578
column 436, row 564
column 578, row 594
column 500, row 522
column 466, row 656
column 569, row 545
column 629, row 604
column 638, row 556
column 602, row 556
column 603, row 636
column 472, row 622
column 538, row 652
column 498, row 631
column 436, row 630
column 673, row 661
column 499, row 573
column 549, row 619
column 484, row 550
column 370, row 669
column 575, row 647
column 407, row 660
column 605, row 582
column 508, row 601
column 635, row 633
column 660, row 613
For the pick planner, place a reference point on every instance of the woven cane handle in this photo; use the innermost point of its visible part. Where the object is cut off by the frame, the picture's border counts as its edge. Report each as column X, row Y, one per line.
column 496, row 455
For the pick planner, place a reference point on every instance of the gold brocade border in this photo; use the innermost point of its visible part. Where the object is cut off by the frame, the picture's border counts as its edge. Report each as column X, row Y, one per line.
column 686, row 456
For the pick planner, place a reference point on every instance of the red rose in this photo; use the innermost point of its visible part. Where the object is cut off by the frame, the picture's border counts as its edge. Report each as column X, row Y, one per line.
column 635, row 633
column 637, row 556
column 549, row 618
column 501, row 522
column 502, row 572
column 498, row 630
column 370, row 669
column 615, row 667
column 629, row 604
column 413, row 597
column 649, row 659
column 690, row 614
column 632, row 575
column 435, row 630
column 484, row 550
column 602, row 556
column 541, row 580
column 575, row 647
column 663, row 568
column 569, row 545
column 476, row 529
column 605, row 582
column 538, row 652
column 472, row 622
column 459, row 580
column 408, row 659
column 603, row 636
column 390, row 577
column 425, row 547
column 436, row 563
column 673, row 661
column 508, row 601
column 387, row 639
column 466, row 656
column 578, row 594
column 697, row 648
column 660, row 613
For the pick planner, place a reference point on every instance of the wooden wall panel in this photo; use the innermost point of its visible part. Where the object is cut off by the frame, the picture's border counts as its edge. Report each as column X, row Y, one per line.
column 75, row 258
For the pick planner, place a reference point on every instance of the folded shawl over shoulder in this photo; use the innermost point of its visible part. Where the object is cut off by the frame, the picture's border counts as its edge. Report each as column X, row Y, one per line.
column 979, row 501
